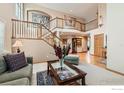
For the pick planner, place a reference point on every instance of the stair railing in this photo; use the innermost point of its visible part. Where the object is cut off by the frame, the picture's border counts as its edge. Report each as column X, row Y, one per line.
column 32, row 30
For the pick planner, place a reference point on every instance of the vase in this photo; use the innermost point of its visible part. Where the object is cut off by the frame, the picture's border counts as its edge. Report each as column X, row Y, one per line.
column 61, row 62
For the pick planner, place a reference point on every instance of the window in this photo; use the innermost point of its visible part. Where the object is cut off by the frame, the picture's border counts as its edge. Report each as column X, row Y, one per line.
column 20, row 11
column 38, row 17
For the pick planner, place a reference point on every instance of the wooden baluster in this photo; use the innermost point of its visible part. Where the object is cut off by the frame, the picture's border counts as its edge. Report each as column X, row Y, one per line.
column 29, row 29
column 32, row 30
column 12, row 29
column 21, row 29
column 40, row 31
column 15, row 29
column 37, row 31
column 33, row 27
column 28, row 25
column 80, row 27
column 62, row 23
column 18, row 29
column 24, row 30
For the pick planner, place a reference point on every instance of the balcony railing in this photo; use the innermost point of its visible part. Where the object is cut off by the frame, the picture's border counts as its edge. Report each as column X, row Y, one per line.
column 93, row 24
column 32, row 30
column 66, row 24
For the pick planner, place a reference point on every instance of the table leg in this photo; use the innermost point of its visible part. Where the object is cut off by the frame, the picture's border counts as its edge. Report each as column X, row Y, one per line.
column 47, row 68
column 83, row 81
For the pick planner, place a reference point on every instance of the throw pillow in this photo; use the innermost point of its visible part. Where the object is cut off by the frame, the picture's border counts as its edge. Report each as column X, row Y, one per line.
column 15, row 61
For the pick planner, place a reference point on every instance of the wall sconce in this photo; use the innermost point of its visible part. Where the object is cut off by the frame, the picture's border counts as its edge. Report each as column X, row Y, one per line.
column 100, row 21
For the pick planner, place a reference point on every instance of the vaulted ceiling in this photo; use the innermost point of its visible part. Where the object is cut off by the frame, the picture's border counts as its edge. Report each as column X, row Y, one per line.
column 82, row 10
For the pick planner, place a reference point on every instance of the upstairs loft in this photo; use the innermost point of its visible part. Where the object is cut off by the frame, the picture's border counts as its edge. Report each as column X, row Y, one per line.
column 42, row 22
column 27, row 29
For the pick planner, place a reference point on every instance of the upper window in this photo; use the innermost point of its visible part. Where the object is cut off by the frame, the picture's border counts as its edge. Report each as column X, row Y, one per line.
column 20, row 11
column 38, row 17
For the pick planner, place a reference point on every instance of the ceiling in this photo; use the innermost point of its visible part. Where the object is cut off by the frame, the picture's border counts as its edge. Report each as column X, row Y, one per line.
column 82, row 10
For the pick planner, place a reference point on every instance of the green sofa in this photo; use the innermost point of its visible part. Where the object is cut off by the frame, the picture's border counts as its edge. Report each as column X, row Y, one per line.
column 20, row 77
column 74, row 59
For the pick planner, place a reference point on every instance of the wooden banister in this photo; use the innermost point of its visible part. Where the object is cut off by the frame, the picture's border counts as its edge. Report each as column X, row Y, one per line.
column 24, row 21
column 30, row 30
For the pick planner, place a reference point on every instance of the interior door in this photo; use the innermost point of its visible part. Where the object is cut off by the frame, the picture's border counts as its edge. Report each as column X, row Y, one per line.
column 98, row 45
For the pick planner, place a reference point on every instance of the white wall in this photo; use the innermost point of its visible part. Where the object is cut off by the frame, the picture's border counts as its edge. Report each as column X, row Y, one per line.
column 99, row 30
column 51, row 12
column 38, row 49
column 2, row 29
column 115, row 29
column 102, row 11
column 7, row 12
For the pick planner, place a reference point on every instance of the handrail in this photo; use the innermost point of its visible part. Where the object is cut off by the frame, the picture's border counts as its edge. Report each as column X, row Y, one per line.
column 57, row 24
column 69, row 20
column 84, row 29
column 34, row 23
column 91, row 21
column 25, row 21
column 22, row 27
column 30, row 30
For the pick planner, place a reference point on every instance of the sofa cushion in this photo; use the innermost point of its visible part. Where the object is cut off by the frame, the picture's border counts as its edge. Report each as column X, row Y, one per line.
column 3, row 66
column 22, row 81
column 74, row 59
column 15, row 61
column 21, row 73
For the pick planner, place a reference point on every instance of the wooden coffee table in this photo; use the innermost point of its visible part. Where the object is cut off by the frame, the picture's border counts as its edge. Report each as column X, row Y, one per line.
column 69, row 75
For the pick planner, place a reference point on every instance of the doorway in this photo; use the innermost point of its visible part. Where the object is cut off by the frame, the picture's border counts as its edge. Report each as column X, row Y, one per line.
column 98, row 45
column 74, row 45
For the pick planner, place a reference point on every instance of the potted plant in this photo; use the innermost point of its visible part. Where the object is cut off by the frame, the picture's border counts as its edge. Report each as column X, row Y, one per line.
column 61, row 52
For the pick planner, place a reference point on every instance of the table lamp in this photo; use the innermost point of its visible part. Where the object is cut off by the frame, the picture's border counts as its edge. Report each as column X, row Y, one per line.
column 17, row 44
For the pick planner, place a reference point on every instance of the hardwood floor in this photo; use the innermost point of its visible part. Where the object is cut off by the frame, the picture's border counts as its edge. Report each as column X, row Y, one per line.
column 88, row 58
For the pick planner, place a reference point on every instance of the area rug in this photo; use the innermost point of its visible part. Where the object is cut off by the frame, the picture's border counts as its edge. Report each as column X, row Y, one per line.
column 45, row 79
column 95, row 75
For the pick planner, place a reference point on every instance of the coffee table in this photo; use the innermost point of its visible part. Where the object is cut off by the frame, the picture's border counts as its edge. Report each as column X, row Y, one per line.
column 68, row 75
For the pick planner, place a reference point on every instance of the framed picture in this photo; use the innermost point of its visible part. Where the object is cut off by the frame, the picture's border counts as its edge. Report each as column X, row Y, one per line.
column 69, row 21
column 38, row 17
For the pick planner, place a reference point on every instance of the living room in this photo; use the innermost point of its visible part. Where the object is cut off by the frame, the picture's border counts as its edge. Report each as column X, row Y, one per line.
column 41, row 52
